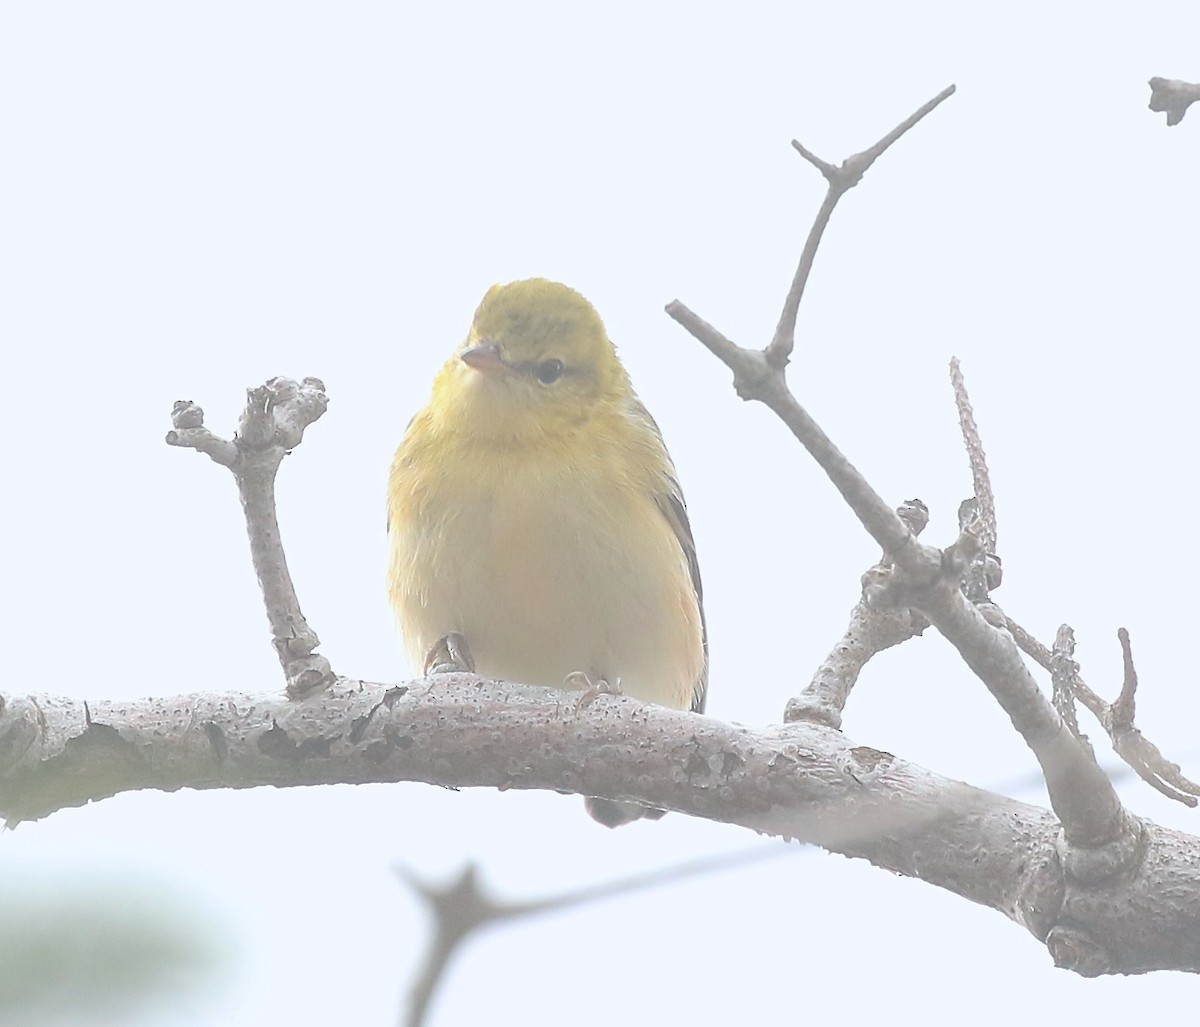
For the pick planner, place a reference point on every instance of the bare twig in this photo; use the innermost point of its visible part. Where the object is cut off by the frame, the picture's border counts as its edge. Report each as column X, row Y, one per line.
column 869, row 632
column 1044, row 658
column 759, row 374
column 873, row 628
column 271, row 426
column 1064, row 674
column 1124, row 709
column 979, row 470
column 841, row 179
column 975, row 550
column 459, row 908
column 1117, row 719
column 754, row 378
column 1091, row 814
column 1134, row 748
column 462, row 908
column 1173, row 96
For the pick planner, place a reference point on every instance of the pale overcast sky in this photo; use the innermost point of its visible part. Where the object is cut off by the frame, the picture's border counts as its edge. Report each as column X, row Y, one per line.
column 196, row 197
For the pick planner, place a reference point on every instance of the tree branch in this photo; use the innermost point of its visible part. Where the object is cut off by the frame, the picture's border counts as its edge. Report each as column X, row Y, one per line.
column 802, row 781
column 927, row 580
column 972, row 554
column 271, row 426
column 980, row 478
column 1173, row 96
column 1106, row 893
column 463, row 907
column 841, row 179
column 872, row 629
column 1139, row 753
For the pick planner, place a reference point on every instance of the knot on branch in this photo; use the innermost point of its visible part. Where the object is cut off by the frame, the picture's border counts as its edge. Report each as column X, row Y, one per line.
column 852, row 170
column 889, row 586
column 1090, row 865
column 915, row 514
column 968, row 557
column 841, row 177
column 188, row 432
column 277, row 412
column 1072, row 948
column 813, row 708
column 307, row 674
column 993, row 615
column 1043, row 890
column 273, row 421
column 756, row 373
column 866, row 765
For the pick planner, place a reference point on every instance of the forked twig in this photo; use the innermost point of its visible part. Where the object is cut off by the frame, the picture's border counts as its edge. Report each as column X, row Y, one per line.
column 462, row 908
column 271, row 426
column 841, row 178
column 1089, row 810
column 1117, row 718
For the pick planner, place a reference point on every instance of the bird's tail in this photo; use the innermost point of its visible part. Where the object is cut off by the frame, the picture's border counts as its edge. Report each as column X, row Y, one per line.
column 614, row 814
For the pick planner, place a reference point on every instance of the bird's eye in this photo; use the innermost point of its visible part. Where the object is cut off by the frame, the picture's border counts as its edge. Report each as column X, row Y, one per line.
column 548, row 371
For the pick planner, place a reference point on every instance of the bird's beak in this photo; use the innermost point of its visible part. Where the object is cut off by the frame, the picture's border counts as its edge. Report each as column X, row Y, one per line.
column 487, row 359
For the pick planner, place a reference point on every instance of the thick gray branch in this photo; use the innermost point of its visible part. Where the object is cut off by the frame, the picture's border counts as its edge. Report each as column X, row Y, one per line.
column 803, row 781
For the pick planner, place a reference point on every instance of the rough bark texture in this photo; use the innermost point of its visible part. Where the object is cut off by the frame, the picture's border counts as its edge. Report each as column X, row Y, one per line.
column 805, row 781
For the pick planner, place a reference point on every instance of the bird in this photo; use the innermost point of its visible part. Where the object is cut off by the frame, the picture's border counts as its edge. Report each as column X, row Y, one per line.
column 537, row 529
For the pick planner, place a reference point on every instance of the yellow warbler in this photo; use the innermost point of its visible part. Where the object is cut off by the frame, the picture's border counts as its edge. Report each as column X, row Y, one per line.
column 533, row 512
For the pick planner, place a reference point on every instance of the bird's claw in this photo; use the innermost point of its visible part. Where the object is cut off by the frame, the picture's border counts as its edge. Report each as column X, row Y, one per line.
column 590, row 690
column 450, row 655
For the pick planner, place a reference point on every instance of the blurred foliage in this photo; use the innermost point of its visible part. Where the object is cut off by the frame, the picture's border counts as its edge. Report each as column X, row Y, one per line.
column 102, row 951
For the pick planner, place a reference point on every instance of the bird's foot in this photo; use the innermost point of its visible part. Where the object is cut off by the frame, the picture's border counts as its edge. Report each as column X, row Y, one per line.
column 450, row 655
column 590, row 690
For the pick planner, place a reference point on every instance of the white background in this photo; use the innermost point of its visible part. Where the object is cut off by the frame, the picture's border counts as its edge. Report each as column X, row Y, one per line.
column 197, row 196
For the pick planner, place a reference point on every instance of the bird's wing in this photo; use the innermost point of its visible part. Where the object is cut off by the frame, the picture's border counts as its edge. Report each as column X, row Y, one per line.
column 670, row 501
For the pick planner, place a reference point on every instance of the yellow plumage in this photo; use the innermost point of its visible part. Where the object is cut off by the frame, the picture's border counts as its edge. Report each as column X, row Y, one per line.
column 533, row 508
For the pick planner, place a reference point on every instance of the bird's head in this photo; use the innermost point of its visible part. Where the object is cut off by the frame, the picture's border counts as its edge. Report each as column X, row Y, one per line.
column 537, row 361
